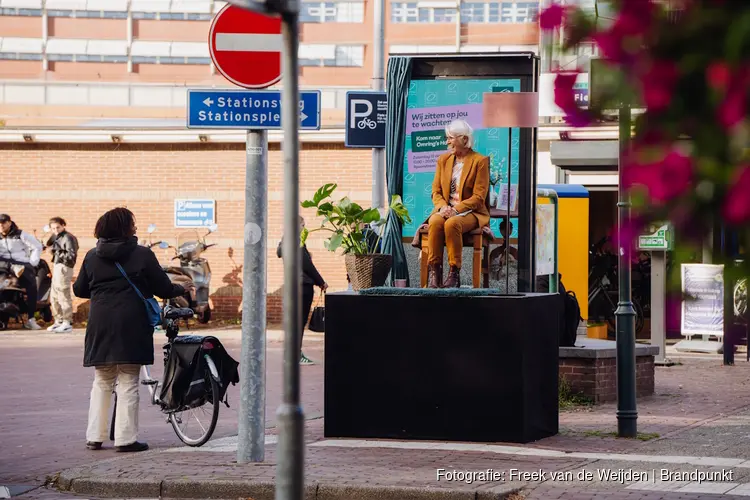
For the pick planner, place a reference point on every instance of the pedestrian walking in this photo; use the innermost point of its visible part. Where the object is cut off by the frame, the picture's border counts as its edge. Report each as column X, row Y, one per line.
column 119, row 336
column 310, row 278
column 64, row 247
column 18, row 247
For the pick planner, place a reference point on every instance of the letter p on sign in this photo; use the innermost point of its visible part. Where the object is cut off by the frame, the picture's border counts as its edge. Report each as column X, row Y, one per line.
column 354, row 115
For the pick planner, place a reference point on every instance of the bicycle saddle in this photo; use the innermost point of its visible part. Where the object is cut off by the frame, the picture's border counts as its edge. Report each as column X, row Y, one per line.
column 178, row 313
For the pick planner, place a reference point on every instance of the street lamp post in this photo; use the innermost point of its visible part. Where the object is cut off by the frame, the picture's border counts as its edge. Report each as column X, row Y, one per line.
column 627, row 413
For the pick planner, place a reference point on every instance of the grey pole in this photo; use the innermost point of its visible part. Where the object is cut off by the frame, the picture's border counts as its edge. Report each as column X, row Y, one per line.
column 507, row 218
column 378, row 83
column 290, row 467
column 658, row 306
column 546, row 39
column 627, row 414
column 252, row 418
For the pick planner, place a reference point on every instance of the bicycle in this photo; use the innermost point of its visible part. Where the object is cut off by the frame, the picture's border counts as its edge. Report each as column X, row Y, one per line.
column 207, row 386
column 366, row 122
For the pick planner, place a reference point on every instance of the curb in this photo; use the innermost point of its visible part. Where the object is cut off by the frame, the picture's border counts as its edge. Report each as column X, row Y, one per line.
column 69, row 481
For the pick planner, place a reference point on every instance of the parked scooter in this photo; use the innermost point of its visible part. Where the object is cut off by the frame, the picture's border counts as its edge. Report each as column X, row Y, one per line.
column 13, row 297
column 193, row 268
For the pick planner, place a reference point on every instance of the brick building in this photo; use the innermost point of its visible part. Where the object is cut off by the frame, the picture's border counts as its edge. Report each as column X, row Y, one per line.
column 92, row 109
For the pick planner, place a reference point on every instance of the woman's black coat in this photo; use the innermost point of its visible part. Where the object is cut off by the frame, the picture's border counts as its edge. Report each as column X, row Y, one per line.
column 118, row 330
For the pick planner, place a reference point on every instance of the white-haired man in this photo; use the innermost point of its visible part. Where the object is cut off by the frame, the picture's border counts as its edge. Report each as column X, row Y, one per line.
column 459, row 193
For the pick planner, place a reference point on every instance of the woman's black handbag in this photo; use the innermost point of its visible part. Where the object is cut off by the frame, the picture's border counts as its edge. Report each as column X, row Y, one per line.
column 318, row 318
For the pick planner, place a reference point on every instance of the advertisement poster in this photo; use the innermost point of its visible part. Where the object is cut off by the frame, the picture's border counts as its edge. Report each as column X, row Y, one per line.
column 431, row 106
column 703, row 304
column 545, row 240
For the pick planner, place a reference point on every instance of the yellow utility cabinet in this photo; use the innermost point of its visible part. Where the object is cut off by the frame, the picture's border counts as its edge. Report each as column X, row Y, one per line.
column 573, row 240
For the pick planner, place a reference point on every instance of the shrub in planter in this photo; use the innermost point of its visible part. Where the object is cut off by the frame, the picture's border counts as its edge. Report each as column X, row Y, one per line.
column 357, row 231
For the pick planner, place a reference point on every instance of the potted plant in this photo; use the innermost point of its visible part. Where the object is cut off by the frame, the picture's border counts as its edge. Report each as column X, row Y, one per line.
column 358, row 232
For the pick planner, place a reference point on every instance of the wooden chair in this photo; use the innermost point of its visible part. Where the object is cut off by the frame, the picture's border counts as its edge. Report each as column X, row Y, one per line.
column 478, row 239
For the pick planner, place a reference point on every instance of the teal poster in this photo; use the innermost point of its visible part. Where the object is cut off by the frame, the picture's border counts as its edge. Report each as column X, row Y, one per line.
column 431, row 106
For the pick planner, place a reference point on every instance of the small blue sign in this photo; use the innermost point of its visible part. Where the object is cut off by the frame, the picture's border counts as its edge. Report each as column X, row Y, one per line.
column 366, row 114
column 248, row 109
column 194, row 213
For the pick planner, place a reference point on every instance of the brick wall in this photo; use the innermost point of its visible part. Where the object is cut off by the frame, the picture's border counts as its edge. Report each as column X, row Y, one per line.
column 79, row 182
column 597, row 378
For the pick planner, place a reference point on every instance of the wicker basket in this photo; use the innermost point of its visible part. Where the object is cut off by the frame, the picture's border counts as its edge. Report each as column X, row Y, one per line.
column 367, row 271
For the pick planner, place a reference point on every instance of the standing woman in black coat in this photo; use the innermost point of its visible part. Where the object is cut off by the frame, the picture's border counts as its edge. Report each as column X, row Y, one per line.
column 310, row 277
column 119, row 337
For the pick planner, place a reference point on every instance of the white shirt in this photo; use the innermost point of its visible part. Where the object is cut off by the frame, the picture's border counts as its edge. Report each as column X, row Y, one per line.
column 455, row 182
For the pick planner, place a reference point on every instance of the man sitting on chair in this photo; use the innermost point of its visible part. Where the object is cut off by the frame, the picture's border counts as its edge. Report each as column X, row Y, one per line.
column 459, row 194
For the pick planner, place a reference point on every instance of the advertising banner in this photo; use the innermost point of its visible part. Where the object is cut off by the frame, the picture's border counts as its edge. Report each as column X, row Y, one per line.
column 432, row 105
column 703, row 305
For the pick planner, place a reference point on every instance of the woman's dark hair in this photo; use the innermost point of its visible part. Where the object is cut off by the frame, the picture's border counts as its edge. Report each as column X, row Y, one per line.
column 117, row 223
column 57, row 220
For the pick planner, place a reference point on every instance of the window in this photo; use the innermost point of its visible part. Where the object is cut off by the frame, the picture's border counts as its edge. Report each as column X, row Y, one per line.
column 404, row 13
column 9, row 11
column 350, row 12
column 519, row 12
column 20, row 57
column 443, row 15
column 473, row 12
column 326, row 12
column 352, row 56
column 331, row 55
column 96, row 14
column 411, row 13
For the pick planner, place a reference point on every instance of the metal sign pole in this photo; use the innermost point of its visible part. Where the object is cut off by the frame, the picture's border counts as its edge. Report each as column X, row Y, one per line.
column 658, row 304
column 378, row 83
column 290, row 467
column 252, row 418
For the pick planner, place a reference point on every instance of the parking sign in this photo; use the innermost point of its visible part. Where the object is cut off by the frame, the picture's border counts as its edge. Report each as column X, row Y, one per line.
column 365, row 119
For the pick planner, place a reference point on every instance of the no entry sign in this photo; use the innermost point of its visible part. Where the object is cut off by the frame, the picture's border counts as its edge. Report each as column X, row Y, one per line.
column 246, row 47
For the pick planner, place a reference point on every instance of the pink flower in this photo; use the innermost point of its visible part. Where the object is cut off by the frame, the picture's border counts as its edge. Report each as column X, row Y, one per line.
column 552, row 17
column 658, row 85
column 736, row 208
column 718, row 75
column 733, row 108
column 665, row 179
column 564, row 98
column 621, row 42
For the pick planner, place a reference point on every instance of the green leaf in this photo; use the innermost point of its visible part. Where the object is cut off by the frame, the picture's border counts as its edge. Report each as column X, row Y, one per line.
column 371, row 215
column 334, row 242
column 399, row 209
column 323, row 193
column 325, row 209
column 738, row 36
column 303, row 236
column 344, row 204
column 308, row 204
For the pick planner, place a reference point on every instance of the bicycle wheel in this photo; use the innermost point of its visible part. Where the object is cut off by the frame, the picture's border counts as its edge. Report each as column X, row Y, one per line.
column 195, row 426
column 639, row 318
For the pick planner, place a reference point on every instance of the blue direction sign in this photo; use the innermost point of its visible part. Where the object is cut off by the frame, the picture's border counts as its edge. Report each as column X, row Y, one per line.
column 248, row 109
column 365, row 119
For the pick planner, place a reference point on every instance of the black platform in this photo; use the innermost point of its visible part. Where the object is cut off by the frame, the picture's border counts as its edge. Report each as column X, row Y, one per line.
column 480, row 369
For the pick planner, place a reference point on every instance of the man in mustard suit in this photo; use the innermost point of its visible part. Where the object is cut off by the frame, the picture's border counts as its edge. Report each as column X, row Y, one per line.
column 459, row 193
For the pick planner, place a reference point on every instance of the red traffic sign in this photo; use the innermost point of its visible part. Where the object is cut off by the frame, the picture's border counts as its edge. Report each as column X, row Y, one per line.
column 246, row 47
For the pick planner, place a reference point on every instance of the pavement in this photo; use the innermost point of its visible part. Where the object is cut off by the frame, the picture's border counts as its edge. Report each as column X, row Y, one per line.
column 693, row 442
